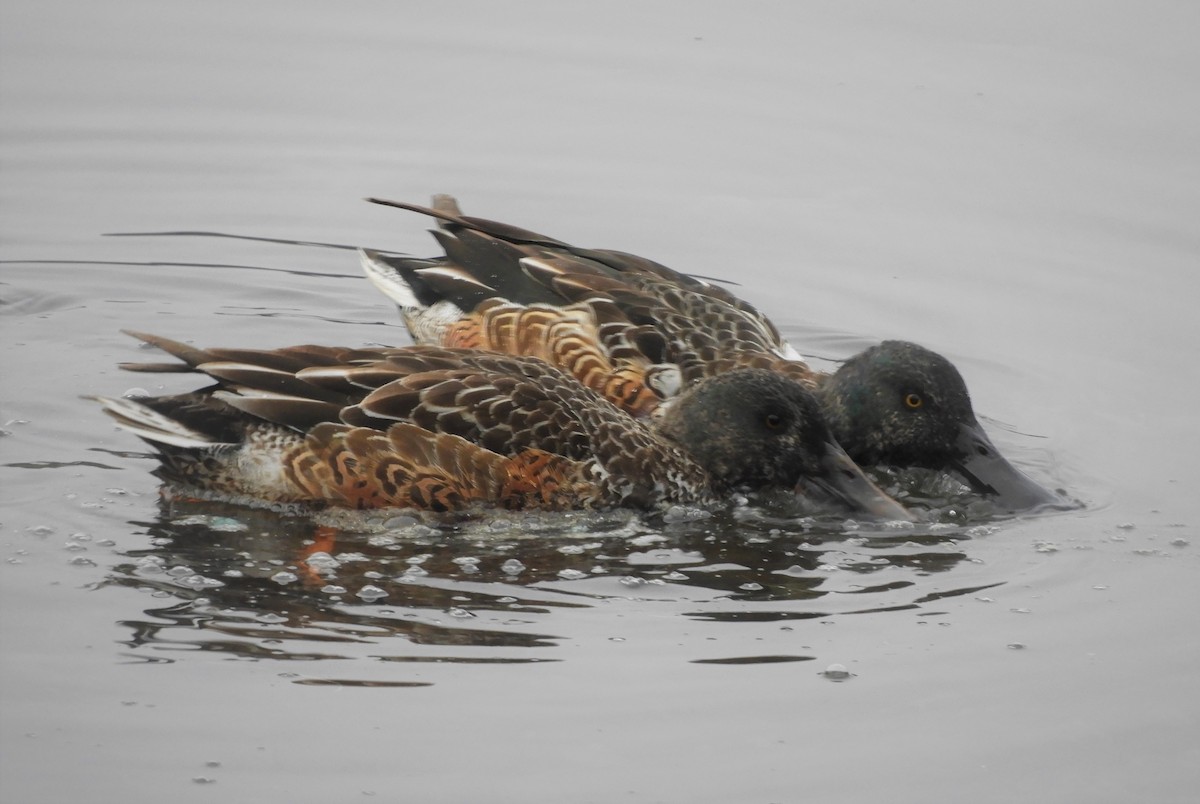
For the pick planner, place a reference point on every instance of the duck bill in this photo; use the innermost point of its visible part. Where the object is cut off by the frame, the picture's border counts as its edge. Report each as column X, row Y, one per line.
column 843, row 479
column 986, row 471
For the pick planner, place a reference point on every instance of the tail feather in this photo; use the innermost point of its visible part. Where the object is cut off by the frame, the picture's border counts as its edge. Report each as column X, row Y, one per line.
column 153, row 426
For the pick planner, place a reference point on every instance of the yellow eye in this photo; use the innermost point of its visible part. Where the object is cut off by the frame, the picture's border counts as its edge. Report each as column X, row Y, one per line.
column 914, row 401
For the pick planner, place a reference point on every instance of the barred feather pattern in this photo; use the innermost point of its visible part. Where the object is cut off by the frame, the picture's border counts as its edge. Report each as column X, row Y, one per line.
column 435, row 428
column 627, row 327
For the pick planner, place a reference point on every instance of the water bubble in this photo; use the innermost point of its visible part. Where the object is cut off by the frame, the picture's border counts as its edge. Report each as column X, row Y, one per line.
column 322, row 560
column 179, row 571
column 40, row 530
column 837, row 672
column 198, row 582
column 571, row 549
column 1126, row 526
column 381, row 540
column 632, row 581
column 465, row 561
column 1046, row 547
column 458, row 611
column 233, row 573
column 333, row 589
column 751, row 587
column 1015, row 646
column 270, row 618
column 1180, row 542
column 512, row 567
column 371, row 593
column 684, row 513
column 82, row 561
column 284, row 577
column 675, row 575
column 204, row 780
column 571, row 574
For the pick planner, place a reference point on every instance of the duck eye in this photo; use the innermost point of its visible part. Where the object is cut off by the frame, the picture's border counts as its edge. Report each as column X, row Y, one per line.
column 773, row 421
column 913, row 401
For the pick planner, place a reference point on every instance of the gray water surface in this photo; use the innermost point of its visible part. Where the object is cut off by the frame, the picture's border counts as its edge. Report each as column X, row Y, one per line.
column 1014, row 185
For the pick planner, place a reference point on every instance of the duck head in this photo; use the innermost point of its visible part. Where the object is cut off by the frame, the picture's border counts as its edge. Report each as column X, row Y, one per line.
column 901, row 404
column 754, row 428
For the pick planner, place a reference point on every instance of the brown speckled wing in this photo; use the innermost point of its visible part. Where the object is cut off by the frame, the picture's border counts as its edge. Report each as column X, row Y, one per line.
column 500, row 429
column 631, row 329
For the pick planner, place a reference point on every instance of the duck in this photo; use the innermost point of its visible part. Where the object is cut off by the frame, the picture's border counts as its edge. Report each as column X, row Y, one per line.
column 453, row 429
column 641, row 334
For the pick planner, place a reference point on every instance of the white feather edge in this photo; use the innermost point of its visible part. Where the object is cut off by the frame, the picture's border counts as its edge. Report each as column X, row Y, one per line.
column 136, row 418
column 386, row 279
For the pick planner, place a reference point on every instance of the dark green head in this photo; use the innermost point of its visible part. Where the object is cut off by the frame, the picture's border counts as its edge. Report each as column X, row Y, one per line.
column 901, row 404
column 755, row 428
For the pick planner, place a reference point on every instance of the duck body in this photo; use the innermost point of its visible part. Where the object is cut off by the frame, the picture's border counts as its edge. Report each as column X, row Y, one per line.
column 447, row 429
column 640, row 334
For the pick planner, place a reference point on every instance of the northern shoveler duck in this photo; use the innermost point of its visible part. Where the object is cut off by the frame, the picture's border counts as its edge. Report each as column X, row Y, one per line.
column 640, row 333
column 445, row 429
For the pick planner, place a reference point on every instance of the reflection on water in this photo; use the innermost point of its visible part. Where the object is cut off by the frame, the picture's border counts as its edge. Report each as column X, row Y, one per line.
column 258, row 584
